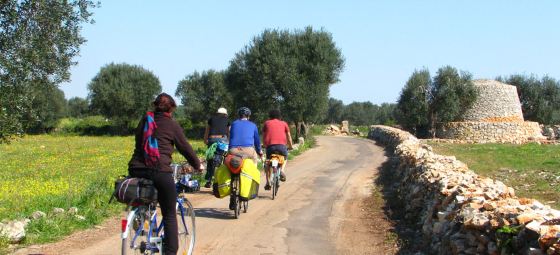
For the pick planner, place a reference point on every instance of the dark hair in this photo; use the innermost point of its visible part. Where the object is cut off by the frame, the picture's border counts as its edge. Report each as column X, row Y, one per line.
column 274, row 114
column 164, row 103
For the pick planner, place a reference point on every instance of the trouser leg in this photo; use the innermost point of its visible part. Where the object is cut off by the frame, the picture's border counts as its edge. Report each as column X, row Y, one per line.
column 167, row 198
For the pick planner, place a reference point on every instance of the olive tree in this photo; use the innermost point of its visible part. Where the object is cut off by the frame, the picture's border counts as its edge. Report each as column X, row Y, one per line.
column 123, row 92
column 39, row 41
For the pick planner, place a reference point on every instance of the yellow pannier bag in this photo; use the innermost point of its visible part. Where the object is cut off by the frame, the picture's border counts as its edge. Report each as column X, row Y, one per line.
column 250, row 178
column 222, row 180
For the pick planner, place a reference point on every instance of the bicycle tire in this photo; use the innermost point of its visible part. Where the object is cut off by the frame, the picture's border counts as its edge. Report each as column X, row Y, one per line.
column 274, row 177
column 187, row 228
column 276, row 184
column 139, row 245
column 235, row 193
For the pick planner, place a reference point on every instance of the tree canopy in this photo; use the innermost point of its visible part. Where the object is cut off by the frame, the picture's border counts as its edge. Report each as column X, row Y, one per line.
column 39, row 40
column 78, row 107
column 123, row 92
column 413, row 104
column 288, row 70
column 49, row 105
column 540, row 98
column 360, row 113
column 451, row 94
column 335, row 112
column 426, row 101
column 202, row 94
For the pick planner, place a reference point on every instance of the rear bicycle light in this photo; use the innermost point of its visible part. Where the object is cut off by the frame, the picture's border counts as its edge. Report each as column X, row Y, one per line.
column 124, row 222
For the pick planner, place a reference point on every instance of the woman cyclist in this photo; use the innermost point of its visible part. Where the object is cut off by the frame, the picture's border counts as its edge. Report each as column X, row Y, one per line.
column 145, row 162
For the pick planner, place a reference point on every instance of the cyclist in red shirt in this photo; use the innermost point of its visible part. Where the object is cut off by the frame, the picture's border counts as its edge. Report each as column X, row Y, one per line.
column 276, row 135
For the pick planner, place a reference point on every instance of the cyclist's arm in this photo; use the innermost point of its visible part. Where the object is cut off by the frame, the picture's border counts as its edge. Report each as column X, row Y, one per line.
column 289, row 136
column 265, row 131
column 206, row 132
column 257, row 141
column 228, row 128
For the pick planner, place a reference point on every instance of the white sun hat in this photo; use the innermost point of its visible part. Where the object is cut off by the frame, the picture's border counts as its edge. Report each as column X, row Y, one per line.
column 222, row 110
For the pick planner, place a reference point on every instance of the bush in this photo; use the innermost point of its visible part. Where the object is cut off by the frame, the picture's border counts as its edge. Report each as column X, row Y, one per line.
column 91, row 125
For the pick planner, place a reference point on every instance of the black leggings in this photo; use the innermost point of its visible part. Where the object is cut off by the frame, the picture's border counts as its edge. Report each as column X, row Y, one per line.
column 167, row 198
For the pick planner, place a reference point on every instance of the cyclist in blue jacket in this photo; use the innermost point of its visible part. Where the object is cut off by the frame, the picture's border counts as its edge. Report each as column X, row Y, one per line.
column 244, row 137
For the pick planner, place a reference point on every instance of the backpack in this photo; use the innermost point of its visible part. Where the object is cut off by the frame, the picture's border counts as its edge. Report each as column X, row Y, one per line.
column 134, row 190
column 234, row 162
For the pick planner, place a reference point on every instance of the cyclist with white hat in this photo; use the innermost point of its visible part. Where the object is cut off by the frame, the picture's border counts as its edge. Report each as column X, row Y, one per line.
column 217, row 130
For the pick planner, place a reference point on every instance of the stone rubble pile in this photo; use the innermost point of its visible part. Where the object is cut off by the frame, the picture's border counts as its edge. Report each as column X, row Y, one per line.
column 461, row 212
column 551, row 132
column 336, row 130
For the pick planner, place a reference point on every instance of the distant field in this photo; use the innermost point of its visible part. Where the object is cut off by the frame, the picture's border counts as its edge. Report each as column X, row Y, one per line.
column 41, row 172
column 532, row 170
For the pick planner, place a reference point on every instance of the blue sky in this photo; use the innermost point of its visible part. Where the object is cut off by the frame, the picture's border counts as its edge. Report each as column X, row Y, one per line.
column 383, row 42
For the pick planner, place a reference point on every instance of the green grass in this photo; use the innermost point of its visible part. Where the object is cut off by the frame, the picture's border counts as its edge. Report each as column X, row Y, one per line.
column 41, row 172
column 533, row 170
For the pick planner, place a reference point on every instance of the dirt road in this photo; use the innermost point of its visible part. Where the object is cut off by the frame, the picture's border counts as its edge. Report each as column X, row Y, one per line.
column 319, row 210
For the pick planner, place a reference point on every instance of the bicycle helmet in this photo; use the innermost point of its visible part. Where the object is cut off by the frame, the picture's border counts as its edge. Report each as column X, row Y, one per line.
column 244, row 112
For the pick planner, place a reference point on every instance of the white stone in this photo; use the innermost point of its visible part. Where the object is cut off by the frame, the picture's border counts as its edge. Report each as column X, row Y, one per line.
column 37, row 215
column 14, row 230
column 73, row 210
column 57, row 210
column 537, row 205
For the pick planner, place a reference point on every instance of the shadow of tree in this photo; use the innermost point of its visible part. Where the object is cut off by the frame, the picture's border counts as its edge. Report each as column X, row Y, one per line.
column 214, row 213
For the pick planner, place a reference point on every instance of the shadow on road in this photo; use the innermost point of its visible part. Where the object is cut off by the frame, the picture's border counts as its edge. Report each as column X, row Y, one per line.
column 214, row 213
column 408, row 232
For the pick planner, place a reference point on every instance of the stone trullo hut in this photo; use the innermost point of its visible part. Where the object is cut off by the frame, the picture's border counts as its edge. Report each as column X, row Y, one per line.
column 495, row 117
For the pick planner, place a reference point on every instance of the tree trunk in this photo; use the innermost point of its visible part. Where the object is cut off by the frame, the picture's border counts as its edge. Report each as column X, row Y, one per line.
column 301, row 129
column 433, row 125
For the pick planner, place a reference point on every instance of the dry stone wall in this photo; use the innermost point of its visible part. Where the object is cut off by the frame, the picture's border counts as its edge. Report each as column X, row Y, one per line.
column 461, row 212
column 496, row 102
column 491, row 132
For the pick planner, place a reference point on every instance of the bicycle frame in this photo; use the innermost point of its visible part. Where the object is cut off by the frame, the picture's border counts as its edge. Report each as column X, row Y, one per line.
column 144, row 218
column 155, row 242
column 274, row 166
column 155, row 231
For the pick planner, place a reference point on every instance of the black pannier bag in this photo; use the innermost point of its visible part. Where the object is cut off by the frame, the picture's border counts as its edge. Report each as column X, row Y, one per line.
column 135, row 190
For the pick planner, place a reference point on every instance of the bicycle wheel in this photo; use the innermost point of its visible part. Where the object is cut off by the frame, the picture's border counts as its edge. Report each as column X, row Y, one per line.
column 187, row 227
column 135, row 236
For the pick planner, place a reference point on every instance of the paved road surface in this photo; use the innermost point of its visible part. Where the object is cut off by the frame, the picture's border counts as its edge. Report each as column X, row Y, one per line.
column 309, row 216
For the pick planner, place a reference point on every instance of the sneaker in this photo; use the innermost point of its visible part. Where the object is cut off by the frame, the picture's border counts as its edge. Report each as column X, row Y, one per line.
column 267, row 187
column 282, row 176
column 208, row 184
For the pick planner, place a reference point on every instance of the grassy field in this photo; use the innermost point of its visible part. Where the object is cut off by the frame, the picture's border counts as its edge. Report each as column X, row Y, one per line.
column 42, row 172
column 532, row 170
